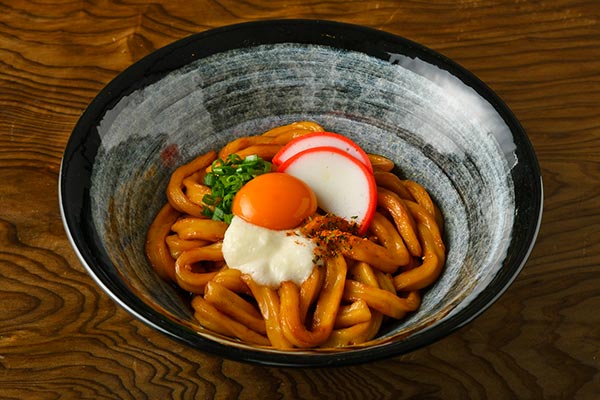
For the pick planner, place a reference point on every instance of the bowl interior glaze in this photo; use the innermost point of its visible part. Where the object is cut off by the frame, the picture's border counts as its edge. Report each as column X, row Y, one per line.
column 442, row 127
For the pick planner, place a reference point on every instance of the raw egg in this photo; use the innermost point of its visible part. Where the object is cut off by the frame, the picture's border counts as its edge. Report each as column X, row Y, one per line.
column 275, row 201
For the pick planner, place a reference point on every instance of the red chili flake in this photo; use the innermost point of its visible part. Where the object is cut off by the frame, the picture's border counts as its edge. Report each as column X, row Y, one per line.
column 330, row 233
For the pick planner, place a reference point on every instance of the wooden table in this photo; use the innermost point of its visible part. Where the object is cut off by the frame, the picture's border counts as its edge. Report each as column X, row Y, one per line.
column 62, row 336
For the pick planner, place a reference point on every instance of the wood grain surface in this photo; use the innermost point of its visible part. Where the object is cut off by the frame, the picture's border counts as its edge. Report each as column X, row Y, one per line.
column 62, row 337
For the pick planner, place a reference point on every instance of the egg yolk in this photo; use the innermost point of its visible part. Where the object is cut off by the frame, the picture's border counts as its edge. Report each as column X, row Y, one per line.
column 275, row 201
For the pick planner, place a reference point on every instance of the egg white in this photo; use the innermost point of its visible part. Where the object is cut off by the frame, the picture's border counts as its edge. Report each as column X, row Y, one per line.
column 270, row 257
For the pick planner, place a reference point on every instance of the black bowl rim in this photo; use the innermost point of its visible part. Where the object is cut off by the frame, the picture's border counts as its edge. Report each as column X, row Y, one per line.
column 81, row 148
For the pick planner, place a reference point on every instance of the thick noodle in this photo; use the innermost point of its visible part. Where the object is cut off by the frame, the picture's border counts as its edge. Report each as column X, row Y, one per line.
column 344, row 302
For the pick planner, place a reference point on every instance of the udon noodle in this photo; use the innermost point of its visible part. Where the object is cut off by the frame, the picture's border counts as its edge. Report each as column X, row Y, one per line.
column 363, row 281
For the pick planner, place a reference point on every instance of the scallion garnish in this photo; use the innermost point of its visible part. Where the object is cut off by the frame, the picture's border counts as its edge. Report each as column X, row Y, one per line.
column 225, row 179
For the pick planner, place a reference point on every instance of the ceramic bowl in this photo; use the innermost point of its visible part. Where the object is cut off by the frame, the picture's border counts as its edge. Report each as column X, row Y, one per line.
column 442, row 126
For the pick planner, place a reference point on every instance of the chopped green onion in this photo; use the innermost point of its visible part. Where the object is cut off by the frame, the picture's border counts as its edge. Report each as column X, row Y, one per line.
column 218, row 214
column 225, row 179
